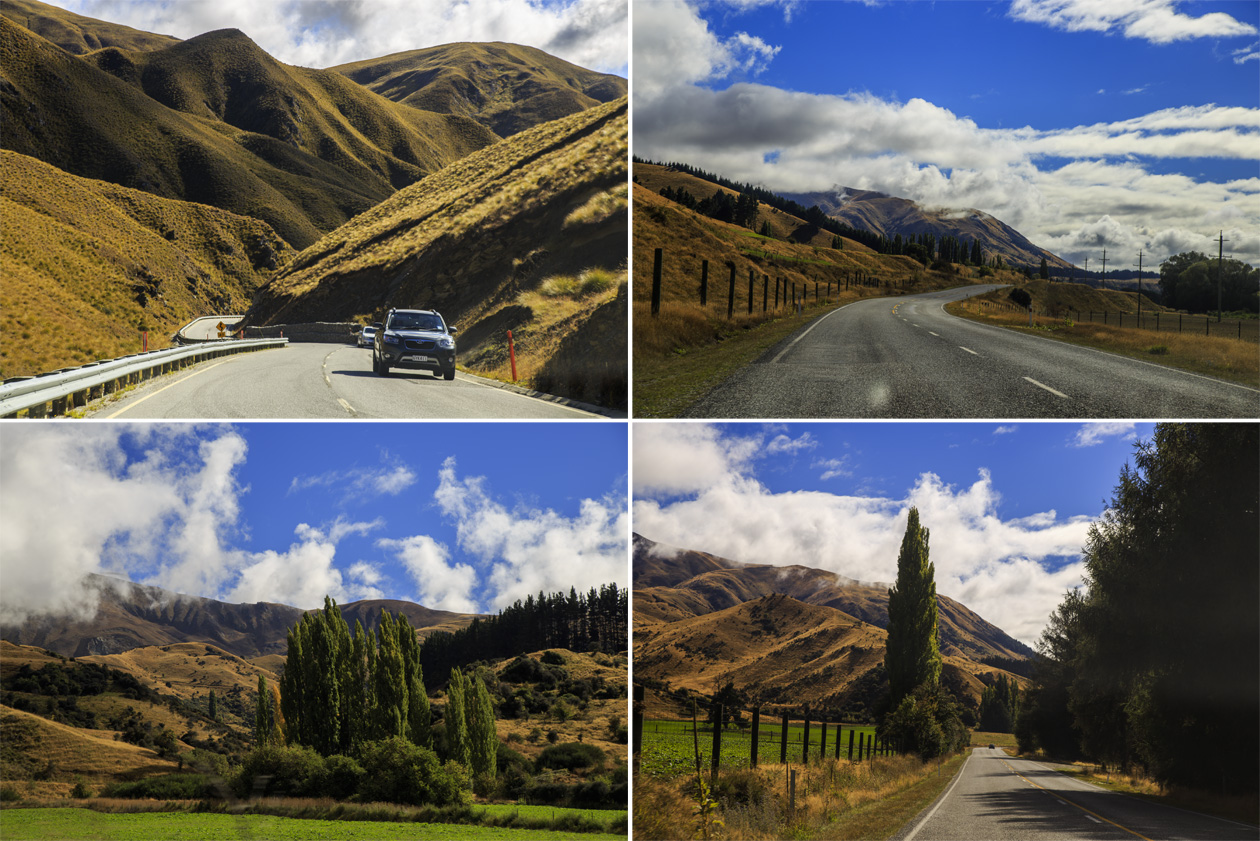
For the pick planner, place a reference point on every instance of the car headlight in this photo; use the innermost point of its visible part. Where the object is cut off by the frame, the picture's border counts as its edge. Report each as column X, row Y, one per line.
column 391, row 339
column 446, row 343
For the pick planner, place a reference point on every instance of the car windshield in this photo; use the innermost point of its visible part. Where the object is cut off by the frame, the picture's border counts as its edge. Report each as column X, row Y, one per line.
column 415, row 321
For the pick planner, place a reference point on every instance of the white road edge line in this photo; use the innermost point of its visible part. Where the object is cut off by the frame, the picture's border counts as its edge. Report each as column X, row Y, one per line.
column 131, row 406
column 937, row 335
column 1047, row 388
column 940, row 802
column 1094, row 819
column 527, row 397
column 969, row 350
column 792, row 344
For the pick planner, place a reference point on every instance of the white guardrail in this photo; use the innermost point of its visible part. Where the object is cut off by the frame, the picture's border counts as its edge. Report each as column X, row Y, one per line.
column 56, row 393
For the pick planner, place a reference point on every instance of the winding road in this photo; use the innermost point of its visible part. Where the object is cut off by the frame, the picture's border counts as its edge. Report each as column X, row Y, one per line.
column 324, row 381
column 996, row 796
column 907, row 358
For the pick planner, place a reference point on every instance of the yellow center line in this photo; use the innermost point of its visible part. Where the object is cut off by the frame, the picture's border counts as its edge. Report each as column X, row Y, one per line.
column 1058, row 795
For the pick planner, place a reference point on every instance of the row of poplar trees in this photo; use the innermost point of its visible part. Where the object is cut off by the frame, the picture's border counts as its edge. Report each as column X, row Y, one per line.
column 339, row 691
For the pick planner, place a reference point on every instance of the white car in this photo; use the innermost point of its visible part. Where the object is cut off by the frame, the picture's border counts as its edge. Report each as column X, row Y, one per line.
column 367, row 336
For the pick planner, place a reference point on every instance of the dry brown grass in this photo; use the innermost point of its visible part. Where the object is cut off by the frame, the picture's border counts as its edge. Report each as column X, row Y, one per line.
column 1235, row 360
column 69, row 751
column 834, row 799
column 186, row 670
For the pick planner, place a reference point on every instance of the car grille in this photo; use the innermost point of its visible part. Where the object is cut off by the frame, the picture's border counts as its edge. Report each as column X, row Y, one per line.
column 420, row 344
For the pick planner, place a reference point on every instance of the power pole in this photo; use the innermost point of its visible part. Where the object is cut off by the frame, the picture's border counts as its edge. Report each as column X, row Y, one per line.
column 1104, row 271
column 1139, row 264
column 1086, row 275
column 1220, row 251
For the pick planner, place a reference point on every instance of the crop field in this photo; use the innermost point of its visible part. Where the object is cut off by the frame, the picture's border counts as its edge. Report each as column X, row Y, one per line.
column 39, row 824
column 669, row 746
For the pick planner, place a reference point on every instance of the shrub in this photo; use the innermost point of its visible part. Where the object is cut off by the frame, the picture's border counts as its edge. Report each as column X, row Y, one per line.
column 570, row 756
column 406, row 773
column 9, row 794
column 1020, row 297
column 553, row 657
column 342, row 776
column 163, row 787
column 295, row 770
column 80, row 791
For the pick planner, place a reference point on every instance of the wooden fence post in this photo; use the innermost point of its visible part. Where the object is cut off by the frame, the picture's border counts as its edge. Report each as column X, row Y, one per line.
column 750, row 290
column 756, row 725
column 776, row 293
column 805, row 742
column 839, row 731
column 656, row 280
column 765, row 292
column 822, row 740
column 861, row 744
column 717, row 741
column 783, row 742
column 704, row 282
column 730, row 295
column 850, row 745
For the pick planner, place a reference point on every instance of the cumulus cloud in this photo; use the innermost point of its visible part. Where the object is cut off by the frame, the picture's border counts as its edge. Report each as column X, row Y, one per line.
column 1050, row 184
column 442, row 584
column 1012, row 571
column 833, row 468
column 310, row 33
column 1091, row 434
column 527, row 550
column 159, row 504
column 1157, row 21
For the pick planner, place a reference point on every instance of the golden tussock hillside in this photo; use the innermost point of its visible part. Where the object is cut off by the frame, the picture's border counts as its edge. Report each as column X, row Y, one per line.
column 527, row 235
column 88, row 265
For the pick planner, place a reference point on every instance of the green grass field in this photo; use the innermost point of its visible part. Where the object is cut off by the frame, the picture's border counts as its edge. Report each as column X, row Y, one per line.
column 669, row 746
column 39, row 824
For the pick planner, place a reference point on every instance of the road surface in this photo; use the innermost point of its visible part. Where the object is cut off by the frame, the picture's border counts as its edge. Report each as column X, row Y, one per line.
column 322, row 381
column 907, row 358
column 996, row 796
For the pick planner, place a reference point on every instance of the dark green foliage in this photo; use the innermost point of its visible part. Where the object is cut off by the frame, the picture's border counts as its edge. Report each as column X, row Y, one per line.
column 1020, row 297
column 594, row 621
column 729, row 699
column 264, row 716
column 402, row 772
column 482, row 739
column 999, row 705
column 163, row 787
column 912, row 656
column 570, row 756
column 1044, row 271
column 1158, row 657
column 455, row 715
column 926, row 722
column 214, row 706
column 271, row 770
column 1188, row 281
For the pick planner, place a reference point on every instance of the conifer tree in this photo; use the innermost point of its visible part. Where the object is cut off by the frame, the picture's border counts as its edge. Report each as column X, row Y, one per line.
column 482, row 741
column 264, row 715
column 912, row 656
column 214, row 706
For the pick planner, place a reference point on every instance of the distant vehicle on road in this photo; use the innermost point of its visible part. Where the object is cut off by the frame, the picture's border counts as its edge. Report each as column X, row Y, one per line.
column 367, row 336
column 417, row 339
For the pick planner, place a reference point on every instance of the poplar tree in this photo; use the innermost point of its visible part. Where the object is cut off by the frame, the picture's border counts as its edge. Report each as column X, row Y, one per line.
column 913, row 655
column 214, row 706
column 264, row 714
column 389, row 683
column 457, row 717
column 482, row 740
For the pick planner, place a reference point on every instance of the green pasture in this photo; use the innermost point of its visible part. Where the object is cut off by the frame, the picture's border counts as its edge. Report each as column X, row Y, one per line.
column 669, row 746
column 70, row 823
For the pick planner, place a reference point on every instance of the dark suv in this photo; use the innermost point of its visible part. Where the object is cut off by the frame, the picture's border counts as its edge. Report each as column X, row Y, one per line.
column 414, row 339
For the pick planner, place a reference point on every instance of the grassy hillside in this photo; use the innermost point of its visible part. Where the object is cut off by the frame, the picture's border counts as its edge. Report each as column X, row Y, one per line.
column 506, row 87
column 78, row 34
column 88, row 265
column 527, row 235
column 186, row 670
column 70, row 113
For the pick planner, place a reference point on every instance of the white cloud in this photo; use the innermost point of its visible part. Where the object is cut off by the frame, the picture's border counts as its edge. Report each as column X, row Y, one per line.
column 1157, row 21
column 359, row 484
column 302, row 575
column 1005, row 430
column 442, row 585
column 1095, row 433
column 833, row 468
column 783, row 444
column 1011, row 571
column 530, row 550
column 310, row 33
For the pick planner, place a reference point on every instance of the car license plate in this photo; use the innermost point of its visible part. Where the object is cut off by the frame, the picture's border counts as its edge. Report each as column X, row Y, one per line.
column 419, row 359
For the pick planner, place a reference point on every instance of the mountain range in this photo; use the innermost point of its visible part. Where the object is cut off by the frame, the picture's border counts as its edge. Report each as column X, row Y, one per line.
column 131, row 615
column 787, row 634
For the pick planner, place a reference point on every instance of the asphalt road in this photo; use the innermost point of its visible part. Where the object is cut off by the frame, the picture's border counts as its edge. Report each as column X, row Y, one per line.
column 208, row 328
column 907, row 358
column 323, row 381
column 995, row 796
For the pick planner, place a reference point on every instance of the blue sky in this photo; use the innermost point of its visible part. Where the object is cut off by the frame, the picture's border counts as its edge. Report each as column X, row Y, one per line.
column 1131, row 123
column 1009, row 505
column 324, row 33
column 460, row 516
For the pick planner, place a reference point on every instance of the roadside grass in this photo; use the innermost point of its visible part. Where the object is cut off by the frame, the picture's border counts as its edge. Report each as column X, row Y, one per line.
column 1239, row 807
column 1227, row 359
column 71, row 823
column 835, row 799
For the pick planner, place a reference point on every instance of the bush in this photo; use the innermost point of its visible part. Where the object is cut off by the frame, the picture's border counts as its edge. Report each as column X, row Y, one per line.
column 553, row 658
column 406, row 773
column 9, row 794
column 295, row 771
column 80, row 791
column 1021, row 297
column 163, row 787
column 342, row 776
column 570, row 756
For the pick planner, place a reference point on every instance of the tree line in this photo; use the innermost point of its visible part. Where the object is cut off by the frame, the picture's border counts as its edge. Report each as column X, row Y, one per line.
column 1153, row 663
column 593, row 621
column 1188, row 281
